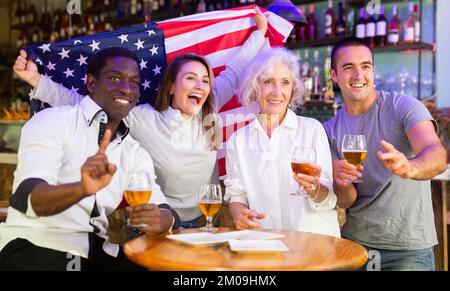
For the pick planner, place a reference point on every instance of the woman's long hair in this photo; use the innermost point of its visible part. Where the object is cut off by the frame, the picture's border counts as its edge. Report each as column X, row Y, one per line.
column 164, row 98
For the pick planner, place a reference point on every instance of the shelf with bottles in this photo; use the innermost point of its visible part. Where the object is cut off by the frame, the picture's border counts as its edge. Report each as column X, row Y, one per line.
column 329, row 42
column 329, row 21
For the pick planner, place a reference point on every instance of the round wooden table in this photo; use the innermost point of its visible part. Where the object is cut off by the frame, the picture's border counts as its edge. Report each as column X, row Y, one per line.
column 307, row 251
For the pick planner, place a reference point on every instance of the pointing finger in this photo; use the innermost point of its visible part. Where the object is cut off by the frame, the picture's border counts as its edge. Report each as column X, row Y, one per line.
column 389, row 147
column 105, row 141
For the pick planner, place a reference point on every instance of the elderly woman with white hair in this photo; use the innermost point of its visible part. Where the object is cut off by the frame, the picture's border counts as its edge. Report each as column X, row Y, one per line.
column 260, row 180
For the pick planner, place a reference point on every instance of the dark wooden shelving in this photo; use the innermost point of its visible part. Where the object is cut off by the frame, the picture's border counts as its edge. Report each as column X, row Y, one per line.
column 353, row 3
column 330, row 42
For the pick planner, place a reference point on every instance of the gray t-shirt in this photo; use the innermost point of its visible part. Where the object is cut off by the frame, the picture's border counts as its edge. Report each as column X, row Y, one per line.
column 390, row 212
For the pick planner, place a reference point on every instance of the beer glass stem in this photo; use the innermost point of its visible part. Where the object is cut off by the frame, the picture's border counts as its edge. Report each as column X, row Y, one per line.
column 209, row 222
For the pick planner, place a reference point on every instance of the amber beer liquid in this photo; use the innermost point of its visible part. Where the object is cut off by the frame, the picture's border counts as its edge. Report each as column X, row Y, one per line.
column 209, row 208
column 354, row 157
column 303, row 168
column 137, row 197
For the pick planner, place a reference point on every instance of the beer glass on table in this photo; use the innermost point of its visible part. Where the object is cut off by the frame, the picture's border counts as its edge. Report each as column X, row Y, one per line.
column 301, row 163
column 138, row 191
column 209, row 202
column 354, row 150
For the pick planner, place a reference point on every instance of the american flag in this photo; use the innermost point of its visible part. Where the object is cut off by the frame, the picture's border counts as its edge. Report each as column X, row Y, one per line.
column 217, row 35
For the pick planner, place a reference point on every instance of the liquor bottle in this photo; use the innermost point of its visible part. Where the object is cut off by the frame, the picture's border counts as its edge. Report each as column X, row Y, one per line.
column 328, row 93
column 133, row 8
column 18, row 14
column 416, row 21
column 393, row 31
column 210, row 5
column 300, row 30
column 140, row 8
column 31, row 17
column 147, row 10
column 22, row 40
column 43, row 24
column 121, row 9
column 380, row 39
column 56, row 19
column 312, row 26
column 23, row 16
column 306, row 76
column 408, row 26
column 350, row 19
column 330, row 21
column 201, row 6
column 164, row 5
column 316, row 78
column 361, row 25
column 327, row 65
column 370, row 29
column 341, row 21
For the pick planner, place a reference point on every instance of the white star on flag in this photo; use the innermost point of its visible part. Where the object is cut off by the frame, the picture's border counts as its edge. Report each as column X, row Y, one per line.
column 39, row 61
column 150, row 32
column 154, row 50
column 48, row 76
column 73, row 89
column 64, row 54
column 94, row 45
column 123, row 37
column 143, row 64
column 157, row 70
column 139, row 44
column 51, row 66
column 84, row 78
column 82, row 60
column 45, row 47
column 77, row 41
column 68, row 72
column 146, row 84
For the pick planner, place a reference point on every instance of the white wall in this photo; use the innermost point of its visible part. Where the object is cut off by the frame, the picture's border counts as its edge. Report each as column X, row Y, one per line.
column 443, row 53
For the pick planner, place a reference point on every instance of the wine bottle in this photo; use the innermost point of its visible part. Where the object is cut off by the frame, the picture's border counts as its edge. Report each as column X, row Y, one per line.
column 416, row 21
column 330, row 21
column 312, row 26
column 370, row 29
column 393, row 31
column 340, row 21
column 408, row 26
column 300, row 30
column 380, row 39
column 361, row 25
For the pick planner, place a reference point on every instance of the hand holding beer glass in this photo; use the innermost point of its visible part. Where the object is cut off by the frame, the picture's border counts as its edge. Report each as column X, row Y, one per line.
column 354, row 150
column 138, row 192
column 302, row 161
column 209, row 202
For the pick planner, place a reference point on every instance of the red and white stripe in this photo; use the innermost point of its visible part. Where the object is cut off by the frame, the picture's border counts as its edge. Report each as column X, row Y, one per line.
column 218, row 36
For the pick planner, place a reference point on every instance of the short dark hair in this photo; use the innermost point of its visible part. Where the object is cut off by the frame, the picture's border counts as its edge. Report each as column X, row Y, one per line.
column 346, row 42
column 98, row 61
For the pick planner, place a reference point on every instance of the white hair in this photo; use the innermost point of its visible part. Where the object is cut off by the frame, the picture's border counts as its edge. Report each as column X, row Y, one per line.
column 262, row 64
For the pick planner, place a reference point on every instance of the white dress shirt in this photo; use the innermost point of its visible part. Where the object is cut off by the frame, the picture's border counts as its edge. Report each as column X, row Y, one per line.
column 175, row 142
column 259, row 175
column 54, row 145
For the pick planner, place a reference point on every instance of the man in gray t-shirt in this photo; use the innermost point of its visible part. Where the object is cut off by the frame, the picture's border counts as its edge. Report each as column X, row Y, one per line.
column 391, row 210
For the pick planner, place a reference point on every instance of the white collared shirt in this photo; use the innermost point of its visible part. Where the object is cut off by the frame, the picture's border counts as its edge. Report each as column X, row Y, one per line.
column 54, row 145
column 259, row 175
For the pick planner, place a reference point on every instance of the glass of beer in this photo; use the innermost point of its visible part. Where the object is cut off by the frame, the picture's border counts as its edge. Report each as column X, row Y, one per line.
column 209, row 202
column 138, row 191
column 301, row 162
column 354, row 150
